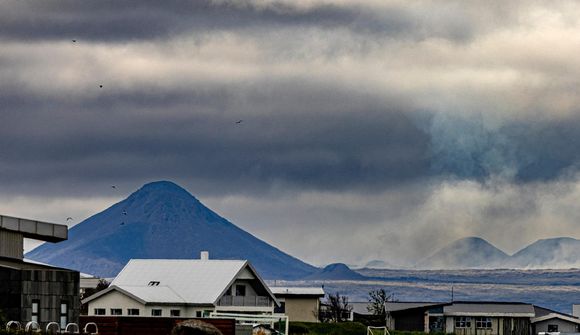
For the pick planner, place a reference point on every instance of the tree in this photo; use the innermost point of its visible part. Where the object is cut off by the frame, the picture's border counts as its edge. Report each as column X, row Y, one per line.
column 377, row 300
column 338, row 308
column 101, row 285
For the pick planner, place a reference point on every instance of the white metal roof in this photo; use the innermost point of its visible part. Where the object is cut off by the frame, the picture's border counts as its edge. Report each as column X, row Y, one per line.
column 282, row 290
column 192, row 281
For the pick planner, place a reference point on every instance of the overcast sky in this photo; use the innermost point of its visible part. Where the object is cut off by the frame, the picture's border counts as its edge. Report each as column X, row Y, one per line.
column 371, row 129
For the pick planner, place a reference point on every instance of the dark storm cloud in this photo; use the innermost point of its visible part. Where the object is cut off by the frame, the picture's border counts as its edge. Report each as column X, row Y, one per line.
column 522, row 151
column 319, row 139
column 137, row 20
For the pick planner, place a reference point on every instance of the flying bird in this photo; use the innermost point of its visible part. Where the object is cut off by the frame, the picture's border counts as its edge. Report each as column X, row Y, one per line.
column 69, row 218
column 74, row 41
column 101, row 86
column 239, row 121
column 113, row 187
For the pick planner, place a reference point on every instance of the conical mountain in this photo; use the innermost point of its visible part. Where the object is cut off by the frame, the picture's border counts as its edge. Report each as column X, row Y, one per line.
column 559, row 252
column 162, row 220
column 465, row 253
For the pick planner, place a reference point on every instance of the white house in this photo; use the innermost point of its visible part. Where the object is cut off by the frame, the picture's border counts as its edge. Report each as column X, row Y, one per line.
column 184, row 288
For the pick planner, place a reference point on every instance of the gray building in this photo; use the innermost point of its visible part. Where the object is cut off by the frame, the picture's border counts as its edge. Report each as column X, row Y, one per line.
column 31, row 291
column 478, row 318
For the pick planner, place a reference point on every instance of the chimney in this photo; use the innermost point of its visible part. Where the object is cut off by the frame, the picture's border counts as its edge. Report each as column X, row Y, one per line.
column 204, row 256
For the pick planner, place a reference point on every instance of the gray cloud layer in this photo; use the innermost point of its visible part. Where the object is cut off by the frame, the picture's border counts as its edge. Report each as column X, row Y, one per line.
column 397, row 101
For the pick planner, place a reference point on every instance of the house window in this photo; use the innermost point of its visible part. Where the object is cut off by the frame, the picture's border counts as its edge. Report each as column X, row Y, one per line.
column 133, row 311
column 241, row 290
column 100, row 311
column 483, row 323
column 63, row 314
column 155, row 312
column 116, row 311
column 552, row 328
column 462, row 322
column 281, row 309
column 198, row 314
column 35, row 311
column 175, row 312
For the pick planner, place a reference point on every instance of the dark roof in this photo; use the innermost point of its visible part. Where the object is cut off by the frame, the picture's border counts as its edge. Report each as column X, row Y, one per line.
column 487, row 308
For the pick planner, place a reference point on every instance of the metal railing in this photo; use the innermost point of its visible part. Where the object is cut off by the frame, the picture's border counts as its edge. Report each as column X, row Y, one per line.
column 244, row 301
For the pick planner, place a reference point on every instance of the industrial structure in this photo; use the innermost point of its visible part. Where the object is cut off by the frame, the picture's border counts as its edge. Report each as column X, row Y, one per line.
column 32, row 291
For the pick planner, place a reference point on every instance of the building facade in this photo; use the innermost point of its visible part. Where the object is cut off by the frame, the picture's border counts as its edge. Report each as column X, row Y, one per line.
column 184, row 288
column 478, row 318
column 299, row 303
column 31, row 291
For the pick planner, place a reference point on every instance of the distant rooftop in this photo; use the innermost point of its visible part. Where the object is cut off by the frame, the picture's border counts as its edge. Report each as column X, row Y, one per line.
column 283, row 290
column 37, row 230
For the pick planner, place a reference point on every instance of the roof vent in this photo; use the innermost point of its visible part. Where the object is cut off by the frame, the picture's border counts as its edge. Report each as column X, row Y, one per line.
column 204, row 256
column 153, row 283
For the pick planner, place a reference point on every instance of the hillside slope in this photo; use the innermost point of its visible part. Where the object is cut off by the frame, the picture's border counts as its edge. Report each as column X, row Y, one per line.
column 162, row 220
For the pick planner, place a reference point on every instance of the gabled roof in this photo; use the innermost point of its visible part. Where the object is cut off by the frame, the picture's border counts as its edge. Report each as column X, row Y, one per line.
column 557, row 316
column 179, row 281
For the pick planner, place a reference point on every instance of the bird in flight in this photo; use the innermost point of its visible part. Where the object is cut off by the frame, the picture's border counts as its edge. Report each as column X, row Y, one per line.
column 74, row 41
column 239, row 121
column 101, row 86
column 113, row 187
column 69, row 218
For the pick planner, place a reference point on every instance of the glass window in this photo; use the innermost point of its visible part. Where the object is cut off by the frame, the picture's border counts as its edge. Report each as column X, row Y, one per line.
column 198, row 314
column 281, row 309
column 241, row 290
column 116, row 311
column 552, row 328
column 155, row 312
column 462, row 322
column 132, row 311
column 99, row 311
column 175, row 312
column 35, row 311
column 483, row 323
column 63, row 314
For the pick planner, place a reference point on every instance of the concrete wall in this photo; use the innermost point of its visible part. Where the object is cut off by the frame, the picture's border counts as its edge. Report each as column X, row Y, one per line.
column 563, row 326
column 301, row 309
column 11, row 244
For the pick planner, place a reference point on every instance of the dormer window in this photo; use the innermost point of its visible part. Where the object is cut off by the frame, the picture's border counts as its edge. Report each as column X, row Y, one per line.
column 153, row 283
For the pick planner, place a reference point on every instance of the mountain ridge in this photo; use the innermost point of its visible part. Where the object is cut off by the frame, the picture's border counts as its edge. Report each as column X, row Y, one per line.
column 162, row 220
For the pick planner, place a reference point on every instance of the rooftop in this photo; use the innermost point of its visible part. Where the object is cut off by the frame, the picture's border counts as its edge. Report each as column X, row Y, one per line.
column 37, row 230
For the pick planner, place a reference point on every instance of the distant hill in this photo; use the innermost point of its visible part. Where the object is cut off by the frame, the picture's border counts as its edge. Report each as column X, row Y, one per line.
column 561, row 252
column 465, row 253
column 162, row 220
column 336, row 271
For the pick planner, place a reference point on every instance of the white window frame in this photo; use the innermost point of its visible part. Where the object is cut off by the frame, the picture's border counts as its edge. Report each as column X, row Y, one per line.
column 462, row 322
